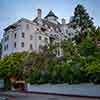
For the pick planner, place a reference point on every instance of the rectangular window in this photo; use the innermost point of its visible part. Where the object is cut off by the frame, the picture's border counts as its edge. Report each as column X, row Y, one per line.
column 4, row 48
column 15, row 45
column 31, row 37
column 31, row 47
column 58, row 52
column 23, row 34
column 7, row 38
column 40, row 38
column 15, row 35
column 7, row 46
column 22, row 44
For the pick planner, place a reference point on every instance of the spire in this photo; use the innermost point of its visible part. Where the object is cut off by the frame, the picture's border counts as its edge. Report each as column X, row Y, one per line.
column 51, row 14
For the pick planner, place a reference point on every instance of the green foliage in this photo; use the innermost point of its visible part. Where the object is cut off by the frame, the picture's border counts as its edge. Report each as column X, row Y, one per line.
column 97, row 34
column 82, row 18
column 93, row 71
column 78, row 64
column 11, row 65
column 0, row 49
column 80, row 61
column 87, row 46
column 83, row 21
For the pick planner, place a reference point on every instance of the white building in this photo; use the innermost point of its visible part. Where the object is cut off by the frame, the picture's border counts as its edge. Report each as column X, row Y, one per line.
column 27, row 35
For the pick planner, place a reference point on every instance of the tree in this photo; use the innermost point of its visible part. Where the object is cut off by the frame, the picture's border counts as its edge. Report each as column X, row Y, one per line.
column 87, row 46
column 93, row 70
column 0, row 49
column 82, row 21
column 12, row 66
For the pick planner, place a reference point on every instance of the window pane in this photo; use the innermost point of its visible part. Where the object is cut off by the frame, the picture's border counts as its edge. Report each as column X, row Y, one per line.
column 31, row 47
column 39, row 37
column 22, row 44
column 15, row 36
column 23, row 35
column 4, row 48
column 31, row 37
column 7, row 37
column 15, row 45
column 7, row 46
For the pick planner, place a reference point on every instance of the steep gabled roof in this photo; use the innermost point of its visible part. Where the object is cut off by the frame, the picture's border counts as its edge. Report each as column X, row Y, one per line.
column 15, row 24
column 51, row 13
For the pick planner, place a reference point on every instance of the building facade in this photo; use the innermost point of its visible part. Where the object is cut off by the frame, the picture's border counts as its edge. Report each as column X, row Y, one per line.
column 31, row 35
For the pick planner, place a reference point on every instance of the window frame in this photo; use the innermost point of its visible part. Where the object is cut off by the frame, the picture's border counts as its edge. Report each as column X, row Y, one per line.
column 22, row 45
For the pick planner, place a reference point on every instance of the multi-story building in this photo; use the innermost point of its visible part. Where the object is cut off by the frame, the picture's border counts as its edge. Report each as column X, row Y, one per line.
column 30, row 35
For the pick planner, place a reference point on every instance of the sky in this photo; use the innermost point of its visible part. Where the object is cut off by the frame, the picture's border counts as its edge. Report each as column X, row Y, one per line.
column 13, row 10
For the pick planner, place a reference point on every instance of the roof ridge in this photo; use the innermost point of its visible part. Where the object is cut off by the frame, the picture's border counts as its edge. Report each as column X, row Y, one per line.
column 51, row 13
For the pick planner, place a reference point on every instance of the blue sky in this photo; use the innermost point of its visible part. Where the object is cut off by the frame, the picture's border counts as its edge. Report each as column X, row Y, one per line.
column 12, row 10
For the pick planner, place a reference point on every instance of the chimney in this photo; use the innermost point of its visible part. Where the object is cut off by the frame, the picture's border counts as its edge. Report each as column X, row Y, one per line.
column 63, row 21
column 39, row 13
